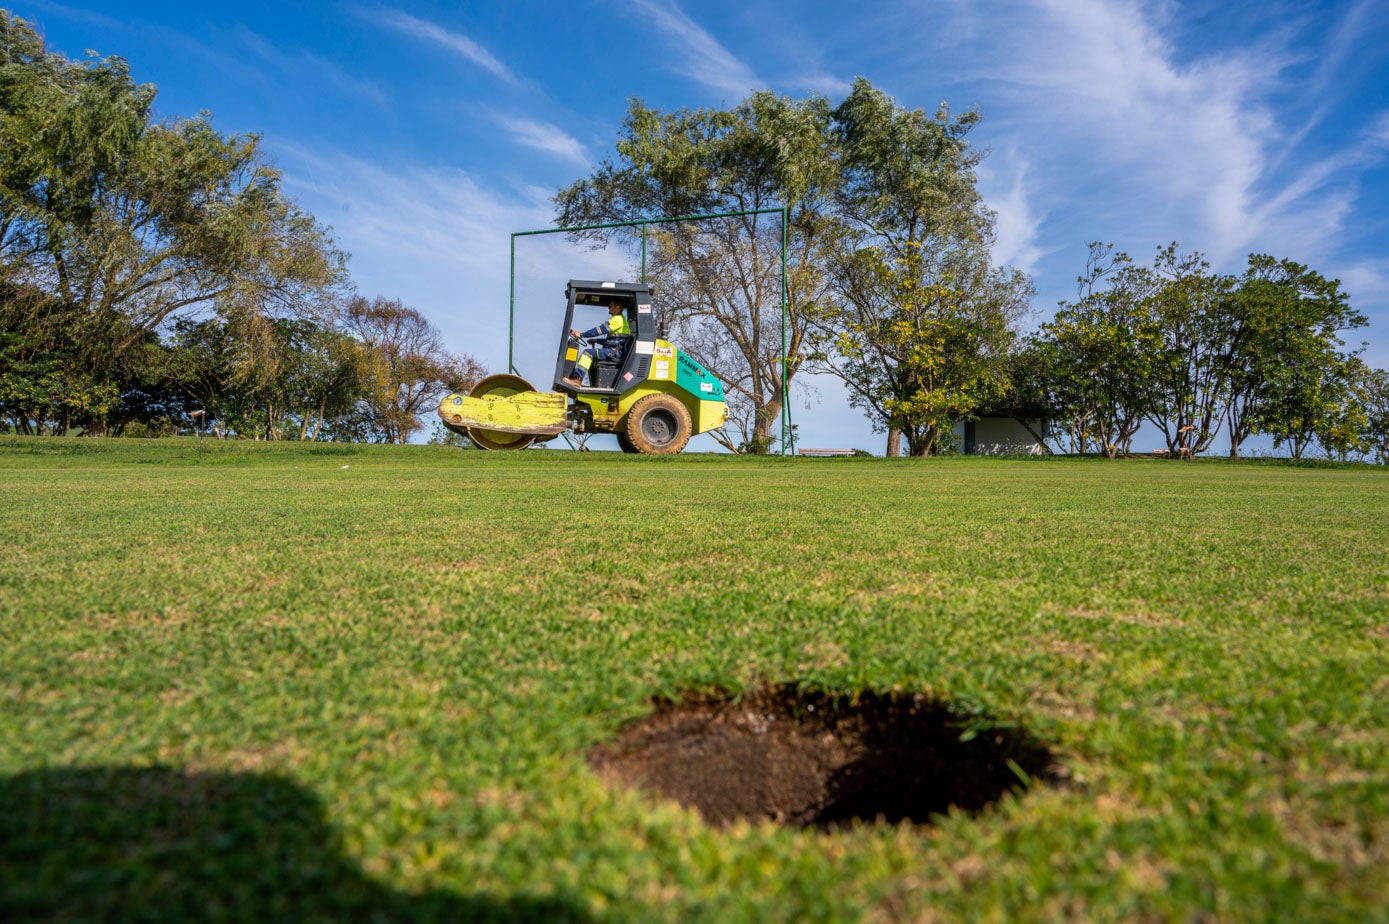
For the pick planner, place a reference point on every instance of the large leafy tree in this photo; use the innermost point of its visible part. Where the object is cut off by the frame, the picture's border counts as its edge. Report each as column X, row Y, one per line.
column 1374, row 389
column 922, row 339
column 45, row 387
column 1188, row 310
column 1190, row 350
column 1104, row 347
column 285, row 378
column 266, row 379
column 124, row 221
column 720, row 280
column 311, row 385
column 1310, row 399
column 411, row 369
column 1287, row 355
column 922, row 323
column 1343, row 432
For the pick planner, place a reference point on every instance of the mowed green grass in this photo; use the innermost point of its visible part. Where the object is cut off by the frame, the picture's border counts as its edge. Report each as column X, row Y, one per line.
column 352, row 681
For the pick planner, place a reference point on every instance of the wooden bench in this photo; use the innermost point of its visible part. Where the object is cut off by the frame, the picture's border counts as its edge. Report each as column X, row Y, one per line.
column 825, row 452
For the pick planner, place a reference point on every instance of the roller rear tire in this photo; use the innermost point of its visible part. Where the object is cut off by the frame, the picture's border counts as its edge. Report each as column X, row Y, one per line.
column 657, row 425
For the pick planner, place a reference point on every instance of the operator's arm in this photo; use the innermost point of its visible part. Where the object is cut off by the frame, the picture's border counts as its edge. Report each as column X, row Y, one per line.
column 602, row 330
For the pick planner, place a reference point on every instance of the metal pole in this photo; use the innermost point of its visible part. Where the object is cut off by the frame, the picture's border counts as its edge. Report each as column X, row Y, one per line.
column 643, row 254
column 511, row 320
column 785, row 386
column 648, row 221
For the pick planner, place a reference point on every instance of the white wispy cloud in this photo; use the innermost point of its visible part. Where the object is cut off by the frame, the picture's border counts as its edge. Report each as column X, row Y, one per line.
column 297, row 64
column 1199, row 133
column 1315, row 196
column 1365, row 276
column 439, row 239
column 76, row 14
column 822, row 83
column 698, row 55
column 1321, row 88
column 456, row 42
column 1016, row 226
column 1124, row 123
column 1377, row 132
column 545, row 137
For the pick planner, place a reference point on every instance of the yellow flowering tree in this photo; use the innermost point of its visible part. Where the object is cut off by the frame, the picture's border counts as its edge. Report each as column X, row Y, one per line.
column 922, row 337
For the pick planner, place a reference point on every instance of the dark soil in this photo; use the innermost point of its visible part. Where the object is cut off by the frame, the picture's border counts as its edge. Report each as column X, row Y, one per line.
column 808, row 759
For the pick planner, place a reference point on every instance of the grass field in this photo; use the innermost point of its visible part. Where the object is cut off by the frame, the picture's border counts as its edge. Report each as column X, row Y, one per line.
column 346, row 682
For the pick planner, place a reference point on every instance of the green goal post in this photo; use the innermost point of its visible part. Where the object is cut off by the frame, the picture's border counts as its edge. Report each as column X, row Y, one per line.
column 642, row 223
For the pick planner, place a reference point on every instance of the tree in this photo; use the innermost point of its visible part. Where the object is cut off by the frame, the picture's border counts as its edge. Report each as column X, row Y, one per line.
column 45, row 385
column 1343, row 431
column 922, row 324
column 1286, row 320
column 1187, row 309
column 1187, row 350
column 412, row 369
column 921, row 347
column 1375, row 390
column 125, row 221
column 329, row 375
column 1103, row 352
column 1310, row 400
column 314, row 384
column 152, row 401
column 720, row 280
column 282, row 379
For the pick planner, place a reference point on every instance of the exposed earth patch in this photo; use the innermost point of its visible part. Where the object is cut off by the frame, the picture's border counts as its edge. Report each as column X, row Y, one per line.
column 811, row 759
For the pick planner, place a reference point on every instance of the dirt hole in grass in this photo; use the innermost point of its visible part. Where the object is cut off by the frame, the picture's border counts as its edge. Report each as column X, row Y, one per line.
column 819, row 760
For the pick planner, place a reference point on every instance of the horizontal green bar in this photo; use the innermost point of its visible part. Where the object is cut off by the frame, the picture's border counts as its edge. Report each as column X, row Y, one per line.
column 648, row 221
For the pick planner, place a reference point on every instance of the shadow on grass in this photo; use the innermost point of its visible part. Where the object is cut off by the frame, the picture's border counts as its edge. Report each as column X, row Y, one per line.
column 117, row 843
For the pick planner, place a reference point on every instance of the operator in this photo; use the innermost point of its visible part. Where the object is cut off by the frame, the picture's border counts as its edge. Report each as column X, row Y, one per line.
column 607, row 341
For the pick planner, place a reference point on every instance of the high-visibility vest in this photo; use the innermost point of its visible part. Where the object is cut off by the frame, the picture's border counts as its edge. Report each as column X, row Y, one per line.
column 613, row 331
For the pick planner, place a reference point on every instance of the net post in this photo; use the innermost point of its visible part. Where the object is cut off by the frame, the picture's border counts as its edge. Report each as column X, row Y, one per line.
column 785, row 385
column 511, row 314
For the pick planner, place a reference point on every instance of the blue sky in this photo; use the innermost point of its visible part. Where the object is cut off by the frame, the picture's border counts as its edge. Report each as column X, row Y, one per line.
column 425, row 133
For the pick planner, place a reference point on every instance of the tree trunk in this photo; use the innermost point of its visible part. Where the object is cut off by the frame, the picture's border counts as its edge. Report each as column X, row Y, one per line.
column 762, row 420
column 920, row 446
column 894, row 442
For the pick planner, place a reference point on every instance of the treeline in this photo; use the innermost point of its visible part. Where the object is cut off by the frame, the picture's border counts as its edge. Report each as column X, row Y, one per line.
column 890, row 286
column 1196, row 353
column 152, row 268
column 888, row 279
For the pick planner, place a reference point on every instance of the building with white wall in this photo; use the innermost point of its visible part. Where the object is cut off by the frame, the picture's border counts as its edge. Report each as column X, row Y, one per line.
column 998, row 436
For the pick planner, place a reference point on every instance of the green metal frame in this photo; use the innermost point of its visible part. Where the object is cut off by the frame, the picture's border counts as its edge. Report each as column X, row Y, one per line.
column 786, row 428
